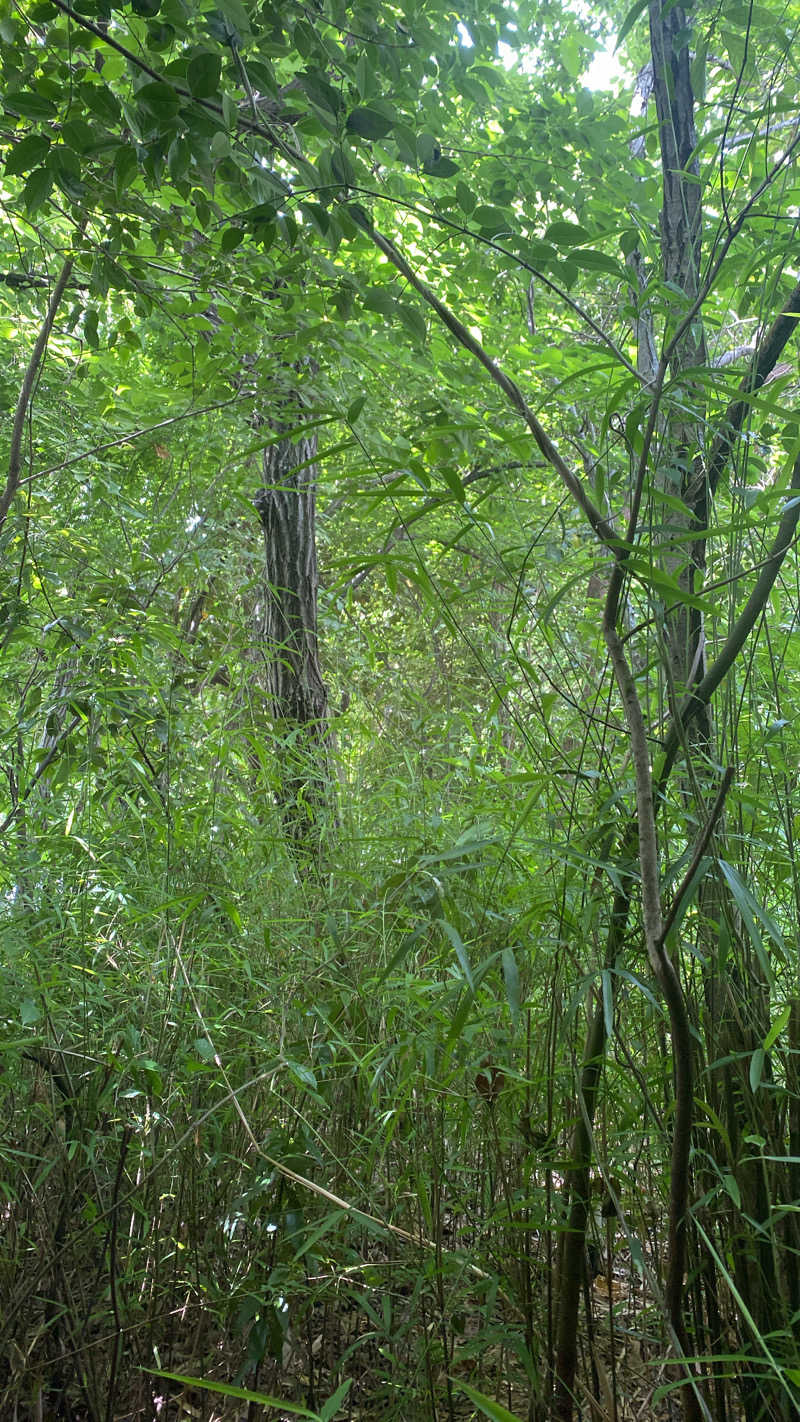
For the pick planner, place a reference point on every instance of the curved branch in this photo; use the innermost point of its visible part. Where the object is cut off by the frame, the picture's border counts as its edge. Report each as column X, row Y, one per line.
column 762, row 364
column 604, row 530
column 701, row 694
column 27, row 388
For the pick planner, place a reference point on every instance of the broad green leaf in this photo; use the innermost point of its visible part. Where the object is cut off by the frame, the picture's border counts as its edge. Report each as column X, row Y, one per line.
column 244, row 1394
column 29, row 105
column 570, row 54
column 777, row 1027
column 590, row 260
column 637, row 9
column 493, row 220
column 160, row 100
column 368, row 123
column 491, row 1409
column 460, row 951
column 178, row 159
column 334, row 1403
column 234, row 13
column 380, row 301
column 90, row 328
column 453, row 482
column 731, row 1188
column 566, row 234
column 756, row 1069
column 321, row 93
column 607, row 987
column 753, row 915
column 203, row 74
column 441, row 167
column 413, row 320
column 511, row 979
column 231, row 238
column 27, row 154
column 37, row 189
column 364, row 77
column 80, row 136
column 125, row 165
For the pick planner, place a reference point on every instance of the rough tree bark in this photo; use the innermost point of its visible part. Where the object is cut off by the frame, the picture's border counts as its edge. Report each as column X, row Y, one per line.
column 288, row 640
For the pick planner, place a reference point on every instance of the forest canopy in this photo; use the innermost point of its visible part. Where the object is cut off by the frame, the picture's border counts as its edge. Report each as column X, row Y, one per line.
column 400, row 1013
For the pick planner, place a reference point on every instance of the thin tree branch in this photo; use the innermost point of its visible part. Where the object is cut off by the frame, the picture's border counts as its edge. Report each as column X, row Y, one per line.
column 43, row 766
column 700, row 849
column 763, row 362
column 28, row 385
column 134, row 434
column 701, row 695
column 604, row 530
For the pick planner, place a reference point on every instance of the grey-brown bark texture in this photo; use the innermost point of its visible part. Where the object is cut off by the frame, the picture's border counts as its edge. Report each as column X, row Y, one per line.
column 681, row 466
column 287, row 634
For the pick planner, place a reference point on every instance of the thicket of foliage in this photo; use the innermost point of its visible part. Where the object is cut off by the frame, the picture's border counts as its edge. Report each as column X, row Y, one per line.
column 398, row 607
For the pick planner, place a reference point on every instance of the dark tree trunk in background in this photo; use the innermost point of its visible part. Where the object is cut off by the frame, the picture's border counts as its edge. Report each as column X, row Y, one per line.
column 287, row 633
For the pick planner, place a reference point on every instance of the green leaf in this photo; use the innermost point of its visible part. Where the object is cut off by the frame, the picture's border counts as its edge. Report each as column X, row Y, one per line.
column 65, row 168
column 29, row 105
column 381, row 301
column 231, row 238
column 125, row 165
column 413, row 320
column 453, row 482
column 368, row 123
column 160, row 36
column 756, row 1069
column 322, row 94
column 731, row 1188
column 178, row 159
column 777, row 1027
column 230, row 112
column 607, row 988
column 628, row 23
column 465, row 198
column 158, row 99
column 363, row 77
column 491, row 1409
column 355, row 409
column 460, row 951
column 236, row 14
column 203, row 74
column 37, row 189
column 593, row 261
column 244, row 1394
column 567, row 234
column 79, row 135
column 331, row 1407
column 27, row 154
column 493, row 220
column 100, row 101
column 753, row 915
column 441, row 167
column 511, row 979
column 570, row 55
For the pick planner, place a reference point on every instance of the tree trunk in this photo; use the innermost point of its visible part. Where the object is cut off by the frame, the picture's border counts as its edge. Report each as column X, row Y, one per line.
column 287, row 634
